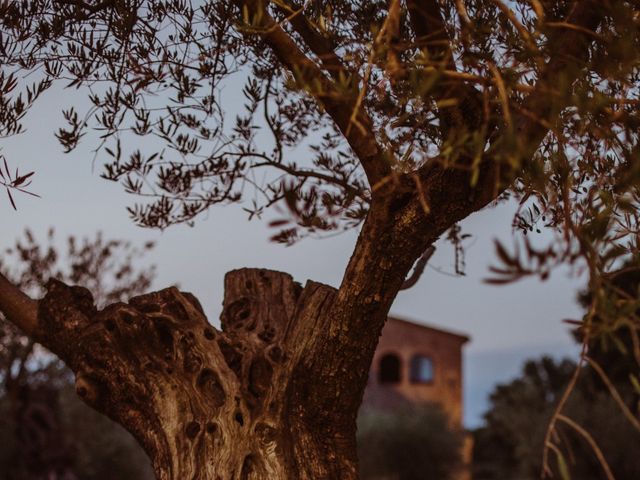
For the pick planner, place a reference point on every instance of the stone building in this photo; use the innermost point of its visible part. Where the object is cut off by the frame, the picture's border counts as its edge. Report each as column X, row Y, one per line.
column 417, row 363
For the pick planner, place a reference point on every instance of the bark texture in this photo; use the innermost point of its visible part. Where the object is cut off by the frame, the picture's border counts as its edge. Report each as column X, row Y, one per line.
column 204, row 403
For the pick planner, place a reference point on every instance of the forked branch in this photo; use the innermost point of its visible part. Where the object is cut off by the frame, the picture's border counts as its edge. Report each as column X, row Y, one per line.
column 338, row 101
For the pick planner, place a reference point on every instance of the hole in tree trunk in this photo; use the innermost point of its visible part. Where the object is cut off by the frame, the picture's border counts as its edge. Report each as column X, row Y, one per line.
column 238, row 418
column 247, row 467
column 267, row 334
column 212, row 427
column 275, row 354
column 231, row 356
column 128, row 318
column 265, row 433
column 192, row 429
column 164, row 334
column 235, row 314
column 209, row 383
column 260, row 374
column 177, row 311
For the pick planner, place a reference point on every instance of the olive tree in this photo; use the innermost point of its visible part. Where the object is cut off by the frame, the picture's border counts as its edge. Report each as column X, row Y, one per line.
column 397, row 117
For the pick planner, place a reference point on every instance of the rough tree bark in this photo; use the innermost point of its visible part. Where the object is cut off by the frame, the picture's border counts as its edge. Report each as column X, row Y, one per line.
column 273, row 395
column 205, row 404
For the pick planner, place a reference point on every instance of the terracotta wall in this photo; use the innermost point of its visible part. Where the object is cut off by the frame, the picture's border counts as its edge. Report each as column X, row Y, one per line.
column 407, row 339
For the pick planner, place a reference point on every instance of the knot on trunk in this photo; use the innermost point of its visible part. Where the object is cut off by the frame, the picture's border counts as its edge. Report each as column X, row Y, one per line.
column 63, row 314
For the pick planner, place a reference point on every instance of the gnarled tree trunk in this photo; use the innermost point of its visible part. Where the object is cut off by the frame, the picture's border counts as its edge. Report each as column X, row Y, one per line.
column 208, row 404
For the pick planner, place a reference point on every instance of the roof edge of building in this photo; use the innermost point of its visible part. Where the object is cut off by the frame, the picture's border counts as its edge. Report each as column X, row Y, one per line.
column 428, row 326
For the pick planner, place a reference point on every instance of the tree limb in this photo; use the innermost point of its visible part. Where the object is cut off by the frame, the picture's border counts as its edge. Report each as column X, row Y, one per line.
column 562, row 69
column 450, row 192
column 431, row 35
column 418, row 269
column 338, row 101
column 317, row 43
column 18, row 308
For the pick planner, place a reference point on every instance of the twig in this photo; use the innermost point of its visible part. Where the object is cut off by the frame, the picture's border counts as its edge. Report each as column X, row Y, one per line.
column 419, row 268
column 592, row 443
column 614, row 393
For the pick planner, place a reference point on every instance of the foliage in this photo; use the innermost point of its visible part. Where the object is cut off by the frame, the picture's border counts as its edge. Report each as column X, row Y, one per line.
column 15, row 182
column 415, row 443
column 106, row 267
column 101, row 449
column 511, row 443
column 158, row 68
column 605, row 402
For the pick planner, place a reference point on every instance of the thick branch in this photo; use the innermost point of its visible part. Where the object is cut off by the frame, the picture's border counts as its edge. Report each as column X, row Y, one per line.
column 430, row 30
column 449, row 192
column 320, row 45
column 569, row 55
column 396, row 233
column 431, row 35
column 339, row 101
column 18, row 308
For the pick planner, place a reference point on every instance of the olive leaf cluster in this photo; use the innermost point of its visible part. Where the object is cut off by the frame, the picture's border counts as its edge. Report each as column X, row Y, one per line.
column 162, row 70
column 435, row 84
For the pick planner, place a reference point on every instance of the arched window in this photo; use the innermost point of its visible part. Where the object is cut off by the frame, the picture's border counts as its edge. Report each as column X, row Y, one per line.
column 421, row 369
column 389, row 369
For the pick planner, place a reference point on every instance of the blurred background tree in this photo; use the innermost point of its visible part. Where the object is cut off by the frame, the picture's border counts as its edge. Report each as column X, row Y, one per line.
column 45, row 430
column 412, row 443
column 510, row 445
column 605, row 402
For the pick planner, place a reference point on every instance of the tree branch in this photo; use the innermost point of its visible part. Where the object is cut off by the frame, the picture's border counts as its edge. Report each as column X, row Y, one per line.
column 396, row 232
column 431, row 35
column 449, row 192
column 419, row 268
column 339, row 101
column 92, row 8
column 317, row 175
column 561, row 70
column 317, row 43
column 18, row 308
